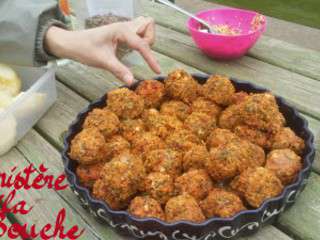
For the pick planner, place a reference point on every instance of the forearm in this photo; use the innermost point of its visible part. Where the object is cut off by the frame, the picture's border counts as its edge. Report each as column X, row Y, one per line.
column 63, row 43
column 23, row 23
column 57, row 42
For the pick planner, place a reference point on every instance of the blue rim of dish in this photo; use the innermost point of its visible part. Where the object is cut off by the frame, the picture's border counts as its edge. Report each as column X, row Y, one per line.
column 303, row 174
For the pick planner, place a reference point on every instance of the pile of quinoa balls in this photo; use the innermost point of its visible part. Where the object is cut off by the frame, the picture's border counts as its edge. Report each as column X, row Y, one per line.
column 184, row 151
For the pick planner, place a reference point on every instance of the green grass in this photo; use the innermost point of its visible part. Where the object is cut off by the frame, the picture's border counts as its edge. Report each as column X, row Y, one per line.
column 306, row 12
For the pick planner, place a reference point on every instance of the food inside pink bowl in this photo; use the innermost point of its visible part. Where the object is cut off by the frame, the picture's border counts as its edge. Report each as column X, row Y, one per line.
column 236, row 31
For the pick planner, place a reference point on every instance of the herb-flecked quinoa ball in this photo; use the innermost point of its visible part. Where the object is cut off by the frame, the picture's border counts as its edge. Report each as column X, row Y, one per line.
column 160, row 124
column 88, row 174
column 88, row 146
column 130, row 127
column 180, row 85
column 176, row 108
column 208, row 107
column 116, row 145
column 285, row 163
column 195, row 158
column 262, row 112
column 152, row 91
column 254, row 155
column 159, row 186
column 196, row 183
column 120, row 180
column 224, row 162
column 230, row 117
column 146, row 207
column 165, row 160
column 183, row 208
column 101, row 192
column 106, row 121
column 258, row 185
column 145, row 142
column 220, row 136
column 238, row 97
column 256, row 136
column 229, row 160
column 286, row 138
column 200, row 124
column 125, row 103
column 218, row 89
column 221, row 203
column 182, row 140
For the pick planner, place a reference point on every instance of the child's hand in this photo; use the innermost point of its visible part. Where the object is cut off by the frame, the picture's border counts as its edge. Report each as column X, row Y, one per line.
column 97, row 47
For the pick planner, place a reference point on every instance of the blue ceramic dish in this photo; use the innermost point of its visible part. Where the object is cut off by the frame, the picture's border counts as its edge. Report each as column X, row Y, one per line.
column 243, row 224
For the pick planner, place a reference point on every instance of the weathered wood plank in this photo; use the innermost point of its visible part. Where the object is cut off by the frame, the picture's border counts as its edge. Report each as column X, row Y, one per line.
column 8, row 224
column 41, row 214
column 283, row 30
column 274, row 51
column 289, row 56
column 35, row 148
column 267, row 233
column 301, row 91
column 303, row 218
column 315, row 128
column 61, row 114
column 90, row 82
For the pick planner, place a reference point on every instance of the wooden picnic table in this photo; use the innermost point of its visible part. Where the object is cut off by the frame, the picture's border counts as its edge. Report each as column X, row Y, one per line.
column 288, row 69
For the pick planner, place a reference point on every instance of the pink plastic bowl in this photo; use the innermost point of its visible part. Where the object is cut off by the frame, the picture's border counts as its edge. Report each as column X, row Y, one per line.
column 223, row 46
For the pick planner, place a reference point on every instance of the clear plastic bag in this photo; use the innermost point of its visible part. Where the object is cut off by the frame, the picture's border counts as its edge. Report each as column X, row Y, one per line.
column 96, row 13
column 120, row 8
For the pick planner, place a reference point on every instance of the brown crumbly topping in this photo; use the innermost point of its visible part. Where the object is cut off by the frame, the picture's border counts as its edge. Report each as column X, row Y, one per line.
column 196, row 183
column 218, row 89
column 256, row 136
column 152, row 92
column 103, row 119
column 285, row 163
column 146, row 207
column 257, row 185
column 206, row 106
column 182, row 140
column 145, row 142
column 183, row 208
column 159, row 186
column 176, row 108
column 165, row 161
column 88, row 146
column 221, row 203
column 180, row 85
column 125, row 103
column 130, row 127
column 88, row 174
column 200, row 124
column 195, row 158
column 286, row 138
column 219, row 137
